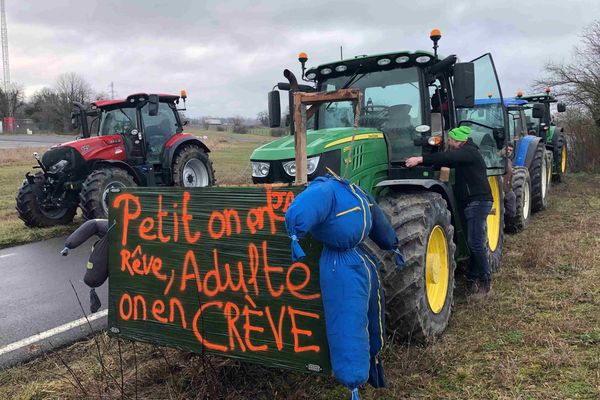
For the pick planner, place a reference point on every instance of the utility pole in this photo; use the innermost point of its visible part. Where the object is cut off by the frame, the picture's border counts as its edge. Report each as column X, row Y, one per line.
column 4, row 34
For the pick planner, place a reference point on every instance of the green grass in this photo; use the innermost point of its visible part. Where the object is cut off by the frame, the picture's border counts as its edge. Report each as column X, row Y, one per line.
column 230, row 155
column 538, row 337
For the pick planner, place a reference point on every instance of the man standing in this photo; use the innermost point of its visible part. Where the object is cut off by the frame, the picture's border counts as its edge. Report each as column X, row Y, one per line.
column 472, row 188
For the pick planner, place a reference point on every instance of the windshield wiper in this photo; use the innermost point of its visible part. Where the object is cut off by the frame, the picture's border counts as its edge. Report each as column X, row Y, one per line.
column 350, row 81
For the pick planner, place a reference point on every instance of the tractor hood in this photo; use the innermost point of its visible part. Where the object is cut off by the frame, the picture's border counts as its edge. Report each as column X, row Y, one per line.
column 317, row 142
column 110, row 147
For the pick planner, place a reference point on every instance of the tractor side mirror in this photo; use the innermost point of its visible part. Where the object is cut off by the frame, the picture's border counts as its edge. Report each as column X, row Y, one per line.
column 74, row 120
column 538, row 110
column 464, row 85
column 153, row 105
column 274, row 109
column 560, row 107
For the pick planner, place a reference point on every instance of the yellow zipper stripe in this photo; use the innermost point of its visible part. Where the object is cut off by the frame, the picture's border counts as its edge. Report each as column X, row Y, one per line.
column 362, row 236
column 362, row 136
column 378, row 303
column 347, row 211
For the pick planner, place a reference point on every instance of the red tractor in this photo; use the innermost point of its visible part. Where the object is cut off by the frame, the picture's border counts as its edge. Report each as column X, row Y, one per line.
column 138, row 141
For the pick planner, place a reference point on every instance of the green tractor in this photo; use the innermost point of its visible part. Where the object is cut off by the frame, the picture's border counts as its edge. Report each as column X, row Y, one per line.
column 542, row 124
column 410, row 100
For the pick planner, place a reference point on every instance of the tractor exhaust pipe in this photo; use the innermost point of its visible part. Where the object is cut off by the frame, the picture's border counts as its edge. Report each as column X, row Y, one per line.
column 79, row 117
column 289, row 75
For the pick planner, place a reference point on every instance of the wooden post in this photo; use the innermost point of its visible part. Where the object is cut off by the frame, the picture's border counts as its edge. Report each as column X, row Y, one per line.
column 301, row 99
column 300, row 139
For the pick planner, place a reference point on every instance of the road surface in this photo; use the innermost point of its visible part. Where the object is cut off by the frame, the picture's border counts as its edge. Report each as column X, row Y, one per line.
column 38, row 308
column 18, row 141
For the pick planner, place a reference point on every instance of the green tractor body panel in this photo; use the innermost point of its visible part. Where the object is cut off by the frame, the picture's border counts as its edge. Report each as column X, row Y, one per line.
column 367, row 165
column 550, row 134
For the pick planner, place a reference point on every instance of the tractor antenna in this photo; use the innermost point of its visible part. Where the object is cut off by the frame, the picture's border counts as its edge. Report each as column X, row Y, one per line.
column 435, row 36
column 341, row 54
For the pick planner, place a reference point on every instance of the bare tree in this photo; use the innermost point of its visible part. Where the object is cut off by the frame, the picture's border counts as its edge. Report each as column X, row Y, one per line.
column 579, row 80
column 263, row 118
column 71, row 87
column 11, row 100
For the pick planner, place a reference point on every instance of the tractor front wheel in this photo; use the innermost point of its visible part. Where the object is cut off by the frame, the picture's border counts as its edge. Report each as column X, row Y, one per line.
column 538, row 171
column 193, row 168
column 521, row 185
column 418, row 297
column 32, row 212
column 94, row 194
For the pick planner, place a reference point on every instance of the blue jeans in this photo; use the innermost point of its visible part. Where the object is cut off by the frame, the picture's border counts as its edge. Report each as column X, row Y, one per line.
column 476, row 213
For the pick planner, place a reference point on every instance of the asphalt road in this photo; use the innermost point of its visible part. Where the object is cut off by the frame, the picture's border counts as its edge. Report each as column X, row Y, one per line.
column 38, row 306
column 18, row 141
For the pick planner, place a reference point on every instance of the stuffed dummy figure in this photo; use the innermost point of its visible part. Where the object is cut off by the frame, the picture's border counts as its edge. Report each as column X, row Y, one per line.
column 341, row 215
column 97, row 266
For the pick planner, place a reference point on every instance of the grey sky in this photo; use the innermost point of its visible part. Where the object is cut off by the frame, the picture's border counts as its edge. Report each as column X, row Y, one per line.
column 228, row 54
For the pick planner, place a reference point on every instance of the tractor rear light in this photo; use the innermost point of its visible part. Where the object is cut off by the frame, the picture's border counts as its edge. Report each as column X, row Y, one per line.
column 260, row 169
column 434, row 140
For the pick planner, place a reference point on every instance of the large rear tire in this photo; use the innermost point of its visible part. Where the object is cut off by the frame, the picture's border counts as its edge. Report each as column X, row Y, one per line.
column 193, row 168
column 538, row 171
column 29, row 209
column 521, row 186
column 560, row 153
column 418, row 297
column 93, row 198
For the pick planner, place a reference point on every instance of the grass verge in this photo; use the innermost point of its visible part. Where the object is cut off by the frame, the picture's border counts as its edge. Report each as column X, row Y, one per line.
column 538, row 337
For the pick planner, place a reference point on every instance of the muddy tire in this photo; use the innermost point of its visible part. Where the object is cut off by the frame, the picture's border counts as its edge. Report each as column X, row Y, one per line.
column 538, row 171
column 30, row 212
column 495, row 224
column 521, row 185
column 93, row 198
column 560, row 153
column 419, row 297
column 193, row 168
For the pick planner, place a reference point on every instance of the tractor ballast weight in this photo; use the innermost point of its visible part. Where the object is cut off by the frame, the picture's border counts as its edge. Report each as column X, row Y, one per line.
column 409, row 102
column 139, row 141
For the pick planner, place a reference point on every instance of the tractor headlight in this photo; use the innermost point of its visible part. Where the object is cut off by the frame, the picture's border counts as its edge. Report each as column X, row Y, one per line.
column 58, row 167
column 260, row 169
column 312, row 163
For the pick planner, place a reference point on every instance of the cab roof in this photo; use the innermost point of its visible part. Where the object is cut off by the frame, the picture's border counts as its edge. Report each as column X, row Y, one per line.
column 372, row 63
column 132, row 98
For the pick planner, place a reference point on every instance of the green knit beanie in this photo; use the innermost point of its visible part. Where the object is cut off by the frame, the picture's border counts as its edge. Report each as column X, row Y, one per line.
column 460, row 134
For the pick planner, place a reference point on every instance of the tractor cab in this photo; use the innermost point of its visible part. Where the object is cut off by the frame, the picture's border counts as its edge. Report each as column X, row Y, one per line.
column 146, row 123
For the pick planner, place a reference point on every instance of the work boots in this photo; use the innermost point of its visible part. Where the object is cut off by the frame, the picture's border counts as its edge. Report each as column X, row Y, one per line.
column 478, row 290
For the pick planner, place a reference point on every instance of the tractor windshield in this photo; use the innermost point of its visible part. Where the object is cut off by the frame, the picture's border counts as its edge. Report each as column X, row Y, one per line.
column 391, row 104
column 118, row 121
column 533, row 124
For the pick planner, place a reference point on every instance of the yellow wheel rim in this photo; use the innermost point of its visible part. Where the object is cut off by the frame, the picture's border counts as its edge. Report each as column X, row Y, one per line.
column 549, row 174
column 494, row 218
column 437, row 272
column 563, row 159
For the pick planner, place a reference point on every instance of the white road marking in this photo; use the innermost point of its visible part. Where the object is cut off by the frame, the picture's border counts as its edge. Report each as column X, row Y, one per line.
column 51, row 332
column 8, row 255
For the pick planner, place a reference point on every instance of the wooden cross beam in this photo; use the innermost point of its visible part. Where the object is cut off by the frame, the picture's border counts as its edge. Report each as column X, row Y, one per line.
column 301, row 115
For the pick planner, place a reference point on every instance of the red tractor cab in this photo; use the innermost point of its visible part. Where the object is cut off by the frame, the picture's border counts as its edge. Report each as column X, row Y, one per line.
column 138, row 141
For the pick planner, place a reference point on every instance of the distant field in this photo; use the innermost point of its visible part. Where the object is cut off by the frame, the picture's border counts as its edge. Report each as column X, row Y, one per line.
column 230, row 155
column 538, row 337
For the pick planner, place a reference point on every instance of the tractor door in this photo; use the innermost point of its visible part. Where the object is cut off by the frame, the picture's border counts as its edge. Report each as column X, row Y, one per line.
column 123, row 121
column 487, row 117
column 158, row 129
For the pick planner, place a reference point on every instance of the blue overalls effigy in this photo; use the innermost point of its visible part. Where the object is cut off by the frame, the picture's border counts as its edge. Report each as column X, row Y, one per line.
column 341, row 215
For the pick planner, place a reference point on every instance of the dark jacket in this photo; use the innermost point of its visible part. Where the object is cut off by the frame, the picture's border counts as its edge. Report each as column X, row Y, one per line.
column 471, row 172
column 97, row 266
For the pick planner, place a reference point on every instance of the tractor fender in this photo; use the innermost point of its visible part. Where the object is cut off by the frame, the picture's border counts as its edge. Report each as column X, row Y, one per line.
column 173, row 146
column 140, row 180
column 525, row 150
